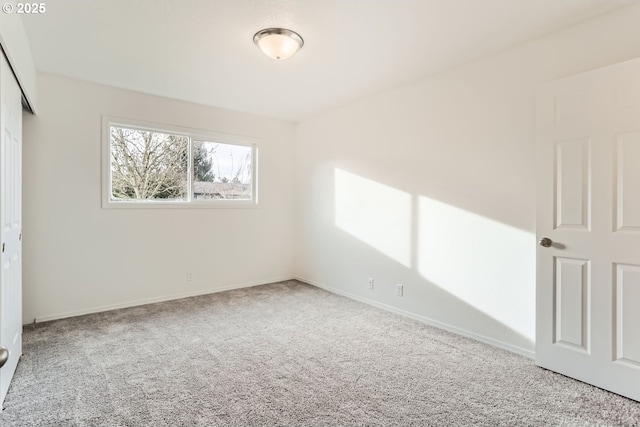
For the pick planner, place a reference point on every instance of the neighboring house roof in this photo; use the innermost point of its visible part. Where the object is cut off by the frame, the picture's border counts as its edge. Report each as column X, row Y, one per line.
column 228, row 188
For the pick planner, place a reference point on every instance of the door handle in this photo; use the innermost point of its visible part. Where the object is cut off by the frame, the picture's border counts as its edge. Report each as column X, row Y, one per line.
column 545, row 242
column 4, row 355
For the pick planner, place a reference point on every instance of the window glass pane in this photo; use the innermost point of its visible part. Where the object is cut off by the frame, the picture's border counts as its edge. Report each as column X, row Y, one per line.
column 148, row 165
column 221, row 171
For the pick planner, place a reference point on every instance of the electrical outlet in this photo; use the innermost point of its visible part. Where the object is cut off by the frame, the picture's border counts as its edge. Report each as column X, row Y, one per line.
column 370, row 282
column 399, row 289
column 189, row 276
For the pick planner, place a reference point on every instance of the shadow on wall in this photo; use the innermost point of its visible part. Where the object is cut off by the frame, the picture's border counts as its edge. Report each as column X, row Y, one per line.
column 468, row 256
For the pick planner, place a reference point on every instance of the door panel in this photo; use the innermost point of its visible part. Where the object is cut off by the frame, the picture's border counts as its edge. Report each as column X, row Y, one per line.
column 628, row 181
column 10, row 223
column 588, row 204
column 572, row 303
column 572, row 184
column 627, row 314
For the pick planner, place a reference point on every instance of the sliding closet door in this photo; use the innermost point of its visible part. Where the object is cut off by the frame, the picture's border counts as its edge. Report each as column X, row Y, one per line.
column 10, row 223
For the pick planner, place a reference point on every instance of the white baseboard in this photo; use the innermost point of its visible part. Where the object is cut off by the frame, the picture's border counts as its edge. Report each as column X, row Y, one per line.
column 454, row 329
column 153, row 300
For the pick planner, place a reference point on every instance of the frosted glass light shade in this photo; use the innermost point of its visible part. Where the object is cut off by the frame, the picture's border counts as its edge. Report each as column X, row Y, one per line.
column 278, row 43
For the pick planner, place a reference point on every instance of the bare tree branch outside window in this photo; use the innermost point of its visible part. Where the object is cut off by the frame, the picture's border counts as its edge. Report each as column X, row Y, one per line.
column 148, row 165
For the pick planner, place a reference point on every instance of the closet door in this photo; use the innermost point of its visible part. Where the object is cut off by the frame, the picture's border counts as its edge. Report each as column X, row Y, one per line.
column 10, row 224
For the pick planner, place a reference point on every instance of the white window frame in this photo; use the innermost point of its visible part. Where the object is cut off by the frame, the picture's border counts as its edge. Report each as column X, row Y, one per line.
column 193, row 135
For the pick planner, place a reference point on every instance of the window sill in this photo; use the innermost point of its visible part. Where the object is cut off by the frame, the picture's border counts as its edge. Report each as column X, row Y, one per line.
column 226, row 204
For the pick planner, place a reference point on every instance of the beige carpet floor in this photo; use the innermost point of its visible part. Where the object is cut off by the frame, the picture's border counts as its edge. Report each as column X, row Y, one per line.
column 284, row 354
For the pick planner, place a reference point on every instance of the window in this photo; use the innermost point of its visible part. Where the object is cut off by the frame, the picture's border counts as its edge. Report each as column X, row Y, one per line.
column 149, row 166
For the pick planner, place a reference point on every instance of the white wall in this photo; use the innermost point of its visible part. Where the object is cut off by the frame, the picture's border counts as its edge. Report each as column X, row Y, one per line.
column 432, row 185
column 79, row 257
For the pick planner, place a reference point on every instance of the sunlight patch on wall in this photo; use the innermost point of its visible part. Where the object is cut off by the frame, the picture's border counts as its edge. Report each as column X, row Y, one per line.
column 472, row 257
column 374, row 213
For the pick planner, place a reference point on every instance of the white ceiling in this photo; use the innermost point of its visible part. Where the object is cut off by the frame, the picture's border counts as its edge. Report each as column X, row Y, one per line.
column 202, row 50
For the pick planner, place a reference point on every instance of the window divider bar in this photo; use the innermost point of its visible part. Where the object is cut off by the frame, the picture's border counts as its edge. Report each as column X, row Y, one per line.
column 190, row 171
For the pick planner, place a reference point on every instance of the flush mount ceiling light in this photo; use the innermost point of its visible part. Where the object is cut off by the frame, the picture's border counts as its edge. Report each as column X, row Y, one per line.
column 278, row 43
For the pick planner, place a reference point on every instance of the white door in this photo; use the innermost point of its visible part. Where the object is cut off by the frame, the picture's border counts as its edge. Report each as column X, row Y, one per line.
column 10, row 223
column 588, row 205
